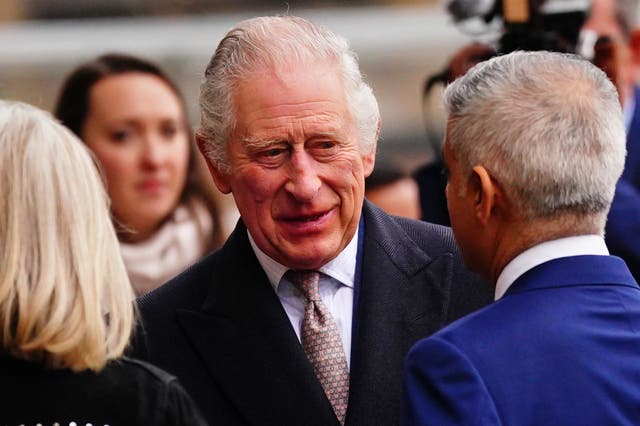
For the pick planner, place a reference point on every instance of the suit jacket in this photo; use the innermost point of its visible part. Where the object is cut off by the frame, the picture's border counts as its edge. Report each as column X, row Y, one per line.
column 623, row 223
column 562, row 347
column 431, row 187
column 221, row 329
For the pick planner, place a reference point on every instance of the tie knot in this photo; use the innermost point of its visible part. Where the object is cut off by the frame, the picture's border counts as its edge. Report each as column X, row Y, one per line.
column 306, row 281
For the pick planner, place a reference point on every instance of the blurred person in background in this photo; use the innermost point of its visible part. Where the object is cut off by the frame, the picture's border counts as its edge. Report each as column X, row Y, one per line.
column 394, row 191
column 613, row 28
column 619, row 22
column 430, row 177
column 534, row 145
column 133, row 118
column 66, row 308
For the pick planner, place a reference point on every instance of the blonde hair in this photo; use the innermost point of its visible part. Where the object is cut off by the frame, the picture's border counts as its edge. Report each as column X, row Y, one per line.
column 65, row 298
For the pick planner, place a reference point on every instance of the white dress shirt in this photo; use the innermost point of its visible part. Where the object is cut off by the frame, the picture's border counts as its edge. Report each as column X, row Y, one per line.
column 544, row 252
column 335, row 286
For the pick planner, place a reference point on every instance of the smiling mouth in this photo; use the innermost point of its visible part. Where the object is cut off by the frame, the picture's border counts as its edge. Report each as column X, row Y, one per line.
column 311, row 218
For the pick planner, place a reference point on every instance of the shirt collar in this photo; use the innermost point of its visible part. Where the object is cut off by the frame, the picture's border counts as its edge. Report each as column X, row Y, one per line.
column 342, row 267
column 546, row 251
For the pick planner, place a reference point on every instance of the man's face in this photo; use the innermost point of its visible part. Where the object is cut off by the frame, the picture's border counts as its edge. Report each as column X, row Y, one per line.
column 297, row 169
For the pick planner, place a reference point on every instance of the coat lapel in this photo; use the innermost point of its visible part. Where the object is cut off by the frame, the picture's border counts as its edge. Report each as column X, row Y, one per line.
column 244, row 337
column 403, row 297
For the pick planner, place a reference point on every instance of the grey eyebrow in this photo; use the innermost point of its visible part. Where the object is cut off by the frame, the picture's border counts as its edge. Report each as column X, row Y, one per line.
column 261, row 142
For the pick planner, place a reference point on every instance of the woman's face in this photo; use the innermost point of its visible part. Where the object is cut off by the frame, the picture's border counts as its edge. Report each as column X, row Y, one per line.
column 136, row 128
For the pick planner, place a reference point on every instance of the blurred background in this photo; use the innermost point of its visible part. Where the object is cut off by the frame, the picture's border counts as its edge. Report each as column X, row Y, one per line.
column 399, row 44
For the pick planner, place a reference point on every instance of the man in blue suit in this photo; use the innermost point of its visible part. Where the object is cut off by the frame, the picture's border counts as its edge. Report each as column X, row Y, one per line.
column 534, row 146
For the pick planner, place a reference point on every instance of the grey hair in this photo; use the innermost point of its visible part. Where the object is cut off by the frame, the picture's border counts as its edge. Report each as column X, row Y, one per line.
column 272, row 43
column 548, row 126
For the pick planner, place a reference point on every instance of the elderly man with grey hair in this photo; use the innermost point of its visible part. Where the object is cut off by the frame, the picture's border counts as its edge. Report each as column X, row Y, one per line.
column 534, row 146
column 305, row 315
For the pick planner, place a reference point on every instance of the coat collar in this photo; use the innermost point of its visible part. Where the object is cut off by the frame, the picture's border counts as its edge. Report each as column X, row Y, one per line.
column 402, row 298
column 248, row 345
column 573, row 271
column 246, row 340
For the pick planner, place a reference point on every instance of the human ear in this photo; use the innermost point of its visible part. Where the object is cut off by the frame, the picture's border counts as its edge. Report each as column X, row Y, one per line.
column 220, row 179
column 369, row 159
column 368, row 162
column 484, row 191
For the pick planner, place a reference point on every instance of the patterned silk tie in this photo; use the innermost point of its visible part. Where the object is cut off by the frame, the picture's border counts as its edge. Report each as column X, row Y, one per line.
column 321, row 342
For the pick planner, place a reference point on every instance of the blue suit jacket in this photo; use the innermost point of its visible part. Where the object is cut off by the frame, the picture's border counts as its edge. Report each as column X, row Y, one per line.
column 622, row 233
column 562, row 347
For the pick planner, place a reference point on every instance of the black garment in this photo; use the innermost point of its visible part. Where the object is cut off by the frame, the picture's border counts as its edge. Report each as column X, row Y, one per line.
column 125, row 392
column 431, row 184
column 221, row 329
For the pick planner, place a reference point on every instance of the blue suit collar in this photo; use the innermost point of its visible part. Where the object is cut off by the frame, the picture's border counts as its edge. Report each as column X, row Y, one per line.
column 573, row 271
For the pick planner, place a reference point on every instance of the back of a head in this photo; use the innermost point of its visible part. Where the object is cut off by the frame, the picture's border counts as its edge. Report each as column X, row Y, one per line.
column 277, row 43
column 547, row 126
column 65, row 298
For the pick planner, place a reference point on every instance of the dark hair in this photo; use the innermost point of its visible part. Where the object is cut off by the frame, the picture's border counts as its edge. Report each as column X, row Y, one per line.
column 72, row 109
column 73, row 102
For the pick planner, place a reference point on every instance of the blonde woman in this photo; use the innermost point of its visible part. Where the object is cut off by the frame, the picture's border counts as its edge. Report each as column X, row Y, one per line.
column 66, row 311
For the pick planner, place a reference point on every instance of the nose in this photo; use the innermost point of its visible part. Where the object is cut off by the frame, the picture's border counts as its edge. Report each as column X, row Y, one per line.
column 303, row 181
column 153, row 151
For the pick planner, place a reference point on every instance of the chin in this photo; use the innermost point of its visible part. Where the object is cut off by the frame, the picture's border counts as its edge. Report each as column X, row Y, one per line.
column 312, row 261
column 157, row 212
column 152, row 222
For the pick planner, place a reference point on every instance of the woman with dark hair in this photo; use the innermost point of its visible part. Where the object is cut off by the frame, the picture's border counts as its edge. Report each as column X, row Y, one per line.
column 133, row 118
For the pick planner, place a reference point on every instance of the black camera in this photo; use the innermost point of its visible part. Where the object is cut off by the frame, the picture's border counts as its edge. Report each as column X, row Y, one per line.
column 499, row 27
column 527, row 24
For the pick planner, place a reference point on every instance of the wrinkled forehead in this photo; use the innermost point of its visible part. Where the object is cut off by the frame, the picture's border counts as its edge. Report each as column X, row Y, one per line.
column 288, row 85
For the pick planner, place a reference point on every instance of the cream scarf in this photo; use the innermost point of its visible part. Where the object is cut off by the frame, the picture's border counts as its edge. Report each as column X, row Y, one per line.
column 180, row 241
